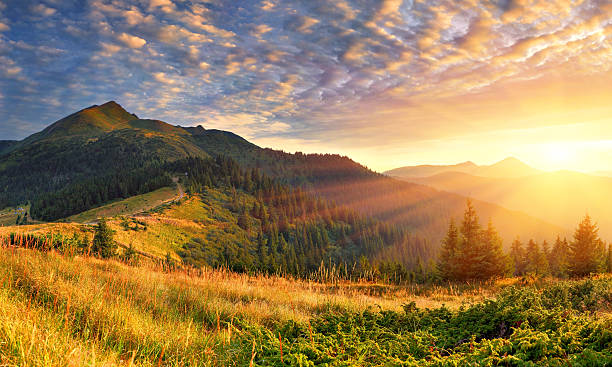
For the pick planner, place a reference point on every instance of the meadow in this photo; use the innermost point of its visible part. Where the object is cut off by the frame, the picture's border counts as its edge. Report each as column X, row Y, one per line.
column 62, row 310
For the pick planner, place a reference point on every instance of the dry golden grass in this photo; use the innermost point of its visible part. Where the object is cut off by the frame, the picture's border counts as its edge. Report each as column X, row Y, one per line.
column 58, row 310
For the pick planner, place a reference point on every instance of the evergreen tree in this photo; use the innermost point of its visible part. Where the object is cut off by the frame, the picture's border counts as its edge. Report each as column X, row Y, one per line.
column 447, row 264
column 532, row 257
column 517, row 255
column 609, row 259
column 473, row 253
column 585, row 249
column 558, row 258
column 103, row 244
column 469, row 254
column 495, row 261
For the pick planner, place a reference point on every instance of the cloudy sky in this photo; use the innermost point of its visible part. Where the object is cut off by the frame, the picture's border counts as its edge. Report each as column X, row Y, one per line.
column 388, row 83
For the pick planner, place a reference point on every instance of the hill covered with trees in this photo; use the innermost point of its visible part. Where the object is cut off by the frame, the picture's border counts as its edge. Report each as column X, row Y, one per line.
column 103, row 153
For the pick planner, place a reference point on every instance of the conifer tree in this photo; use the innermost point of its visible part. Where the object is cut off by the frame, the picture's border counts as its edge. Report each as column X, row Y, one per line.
column 609, row 260
column 585, row 249
column 447, row 264
column 475, row 254
column 469, row 253
column 103, row 244
column 495, row 261
column 532, row 256
column 517, row 255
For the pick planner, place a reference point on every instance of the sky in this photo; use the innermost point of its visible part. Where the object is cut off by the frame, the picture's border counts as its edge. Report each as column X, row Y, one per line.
column 387, row 83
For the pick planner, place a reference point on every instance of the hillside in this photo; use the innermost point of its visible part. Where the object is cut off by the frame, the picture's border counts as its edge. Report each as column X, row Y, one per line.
column 509, row 167
column 560, row 197
column 104, row 153
column 61, row 310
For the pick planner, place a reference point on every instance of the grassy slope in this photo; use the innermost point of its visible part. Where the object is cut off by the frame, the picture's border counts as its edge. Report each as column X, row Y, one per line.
column 8, row 216
column 59, row 311
column 158, row 229
column 132, row 205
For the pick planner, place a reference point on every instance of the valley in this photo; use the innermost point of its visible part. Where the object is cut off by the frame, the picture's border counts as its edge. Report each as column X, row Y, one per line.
column 220, row 252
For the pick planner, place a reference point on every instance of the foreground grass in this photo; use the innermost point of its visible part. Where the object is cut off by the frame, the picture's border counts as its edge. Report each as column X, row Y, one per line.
column 59, row 311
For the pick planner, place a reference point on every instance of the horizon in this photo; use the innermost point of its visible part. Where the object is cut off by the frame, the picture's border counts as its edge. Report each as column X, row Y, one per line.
column 413, row 82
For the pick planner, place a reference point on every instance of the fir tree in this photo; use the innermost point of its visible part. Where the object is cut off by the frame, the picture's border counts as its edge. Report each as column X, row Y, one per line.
column 447, row 264
column 585, row 249
column 532, row 257
column 469, row 252
column 473, row 253
column 103, row 244
column 495, row 262
column 517, row 255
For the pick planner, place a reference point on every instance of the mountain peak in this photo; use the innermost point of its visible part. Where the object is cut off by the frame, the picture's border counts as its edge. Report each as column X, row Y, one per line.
column 510, row 160
column 509, row 167
column 90, row 121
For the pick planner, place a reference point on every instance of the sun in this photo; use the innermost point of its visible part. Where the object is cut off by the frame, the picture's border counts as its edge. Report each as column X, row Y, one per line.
column 557, row 155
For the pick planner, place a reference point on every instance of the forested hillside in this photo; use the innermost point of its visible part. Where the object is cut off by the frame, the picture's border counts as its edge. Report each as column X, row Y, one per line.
column 104, row 153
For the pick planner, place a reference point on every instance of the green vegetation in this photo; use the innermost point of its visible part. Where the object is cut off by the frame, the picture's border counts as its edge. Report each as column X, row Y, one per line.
column 96, row 156
column 62, row 310
column 472, row 252
column 132, row 205
column 103, row 244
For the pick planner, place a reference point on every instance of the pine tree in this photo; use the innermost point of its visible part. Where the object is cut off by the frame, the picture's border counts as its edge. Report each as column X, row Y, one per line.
column 517, row 255
column 542, row 265
column 585, row 249
column 103, row 244
column 609, row 268
column 469, row 253
column 495, row 261
column 473, row 253
column 532, row 256
column 447, row 264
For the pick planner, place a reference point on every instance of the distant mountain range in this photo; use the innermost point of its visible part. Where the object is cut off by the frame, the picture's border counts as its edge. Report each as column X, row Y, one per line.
column 509, row 167
column 106, row 139
column 561, row 197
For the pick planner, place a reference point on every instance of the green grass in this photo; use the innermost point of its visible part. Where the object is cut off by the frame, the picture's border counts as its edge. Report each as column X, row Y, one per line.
column 132, row 205
column 8, row 216
column 59, row 310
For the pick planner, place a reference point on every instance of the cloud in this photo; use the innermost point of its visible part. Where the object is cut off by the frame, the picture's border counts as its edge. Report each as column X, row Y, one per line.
column 163, row 78
column 306, row 24
column 43, row 10
column 108, row 49
column 131, row 41
column 304, row 70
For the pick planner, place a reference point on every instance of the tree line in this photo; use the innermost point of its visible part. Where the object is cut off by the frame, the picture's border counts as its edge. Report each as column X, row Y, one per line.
column 472, row 252
column 289, row 229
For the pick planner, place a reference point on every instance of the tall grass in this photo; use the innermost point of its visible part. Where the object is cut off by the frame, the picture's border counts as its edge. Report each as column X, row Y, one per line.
column 61, row 310
column 72, row 310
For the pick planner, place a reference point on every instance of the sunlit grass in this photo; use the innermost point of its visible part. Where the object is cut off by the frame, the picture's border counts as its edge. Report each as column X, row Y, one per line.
column 59, row 310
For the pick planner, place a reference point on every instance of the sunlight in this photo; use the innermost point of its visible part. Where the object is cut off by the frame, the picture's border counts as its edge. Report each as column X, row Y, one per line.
column 557, row 154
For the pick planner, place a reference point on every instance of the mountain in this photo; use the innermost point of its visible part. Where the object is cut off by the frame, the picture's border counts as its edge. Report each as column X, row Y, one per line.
column 91, row 121
column 561, row 197
column 602, row 173
column 103, row 153
column 509, row 167
column 6, row 145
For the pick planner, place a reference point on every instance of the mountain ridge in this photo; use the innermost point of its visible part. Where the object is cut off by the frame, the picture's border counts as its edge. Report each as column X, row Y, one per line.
column 98, row 147
column 507, row 167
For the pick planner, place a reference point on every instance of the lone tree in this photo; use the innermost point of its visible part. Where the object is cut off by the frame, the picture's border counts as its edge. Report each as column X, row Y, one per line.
column 103, row 244
column 586, row 250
